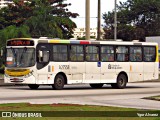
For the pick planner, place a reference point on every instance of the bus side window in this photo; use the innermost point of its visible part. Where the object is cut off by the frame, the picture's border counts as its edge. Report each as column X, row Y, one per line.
column 76, row 53
column 135, row 54
column 149, row 54
column 43, row 56
column 138, row 57
column 107, row 53
column 60, row 53
column 122, row 53
column 126, row 57
column 92, row 53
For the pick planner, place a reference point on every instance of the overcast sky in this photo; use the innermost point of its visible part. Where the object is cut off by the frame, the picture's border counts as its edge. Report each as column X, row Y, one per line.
column 78, row 6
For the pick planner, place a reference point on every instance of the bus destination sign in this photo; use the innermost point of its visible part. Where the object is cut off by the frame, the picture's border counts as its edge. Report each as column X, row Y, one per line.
column 20, row 43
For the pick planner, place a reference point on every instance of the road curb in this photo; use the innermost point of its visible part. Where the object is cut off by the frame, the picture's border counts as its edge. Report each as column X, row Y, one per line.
column 1, row 80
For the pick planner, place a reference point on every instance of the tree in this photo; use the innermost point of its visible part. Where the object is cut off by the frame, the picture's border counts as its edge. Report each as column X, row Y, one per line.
column 51, row 19
column 136, row 19
column 35, row 18
column 13, row 32
column 16, row 13
column 48, row 18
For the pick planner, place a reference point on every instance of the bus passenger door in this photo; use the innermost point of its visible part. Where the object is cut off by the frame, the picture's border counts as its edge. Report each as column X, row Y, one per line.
column 108, row 72
column 43, row 58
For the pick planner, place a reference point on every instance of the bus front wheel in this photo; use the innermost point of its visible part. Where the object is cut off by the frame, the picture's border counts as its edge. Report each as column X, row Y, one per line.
column 96, row 85
column 33, row 86
column 58, row 82
column 121, row 82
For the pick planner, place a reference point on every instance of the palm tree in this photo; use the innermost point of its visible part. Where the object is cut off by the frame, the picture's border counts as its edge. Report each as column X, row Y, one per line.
column 51, row 20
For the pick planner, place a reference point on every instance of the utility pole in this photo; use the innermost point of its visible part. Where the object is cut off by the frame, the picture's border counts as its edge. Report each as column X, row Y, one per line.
column 99, row 21
column 115, row 21
column 87, row 19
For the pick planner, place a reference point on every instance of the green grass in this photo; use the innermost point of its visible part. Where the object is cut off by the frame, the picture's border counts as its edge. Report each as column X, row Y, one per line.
column 20, row 107
column 58, row 107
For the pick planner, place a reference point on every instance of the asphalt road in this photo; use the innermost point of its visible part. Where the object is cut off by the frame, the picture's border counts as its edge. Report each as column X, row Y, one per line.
column 83, row 94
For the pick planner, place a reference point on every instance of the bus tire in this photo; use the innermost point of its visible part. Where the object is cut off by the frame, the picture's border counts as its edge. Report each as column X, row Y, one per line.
column 33, row 86
column 121, row 82
column 96, row 85
column 58, row 82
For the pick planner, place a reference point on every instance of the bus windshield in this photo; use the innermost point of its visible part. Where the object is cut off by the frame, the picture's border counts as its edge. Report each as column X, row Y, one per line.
column 20, row 57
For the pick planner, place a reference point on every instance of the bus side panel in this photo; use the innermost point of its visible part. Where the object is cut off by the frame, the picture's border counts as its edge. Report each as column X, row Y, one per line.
column 92, row 72
column 42, row 75
column 57, row 67
column 136, row 71
column 156, row 74
column 108, row 73
column 77, row 72
column 123, row 67
column 149, row 70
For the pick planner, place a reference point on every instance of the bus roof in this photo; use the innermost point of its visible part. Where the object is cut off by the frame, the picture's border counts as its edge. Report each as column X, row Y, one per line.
column 95, row 42
column 64, row 41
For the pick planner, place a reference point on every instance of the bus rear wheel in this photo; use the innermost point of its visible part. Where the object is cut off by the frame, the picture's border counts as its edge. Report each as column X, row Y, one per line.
column 33, row 86
column 96, row 85
column 58, row 82
column 121, row 82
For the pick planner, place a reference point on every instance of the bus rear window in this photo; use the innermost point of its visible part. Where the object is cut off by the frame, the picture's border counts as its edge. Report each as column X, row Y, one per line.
column 149, row 54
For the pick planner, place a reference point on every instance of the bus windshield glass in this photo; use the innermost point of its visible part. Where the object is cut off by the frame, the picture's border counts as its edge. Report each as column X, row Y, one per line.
column 20, row 57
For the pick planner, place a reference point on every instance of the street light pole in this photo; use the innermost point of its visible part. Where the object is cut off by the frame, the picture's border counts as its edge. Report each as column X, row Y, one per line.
column 87, row 19
column 115, row 21
column 99, row 21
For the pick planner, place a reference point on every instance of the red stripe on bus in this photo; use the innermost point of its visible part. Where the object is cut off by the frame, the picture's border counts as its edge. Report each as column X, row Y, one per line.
column 84, row 42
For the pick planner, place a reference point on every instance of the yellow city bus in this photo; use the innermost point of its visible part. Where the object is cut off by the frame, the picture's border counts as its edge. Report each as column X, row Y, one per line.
column 57, row 62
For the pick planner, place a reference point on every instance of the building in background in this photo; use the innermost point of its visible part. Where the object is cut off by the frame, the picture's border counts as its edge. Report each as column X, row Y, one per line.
column 80, row 33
